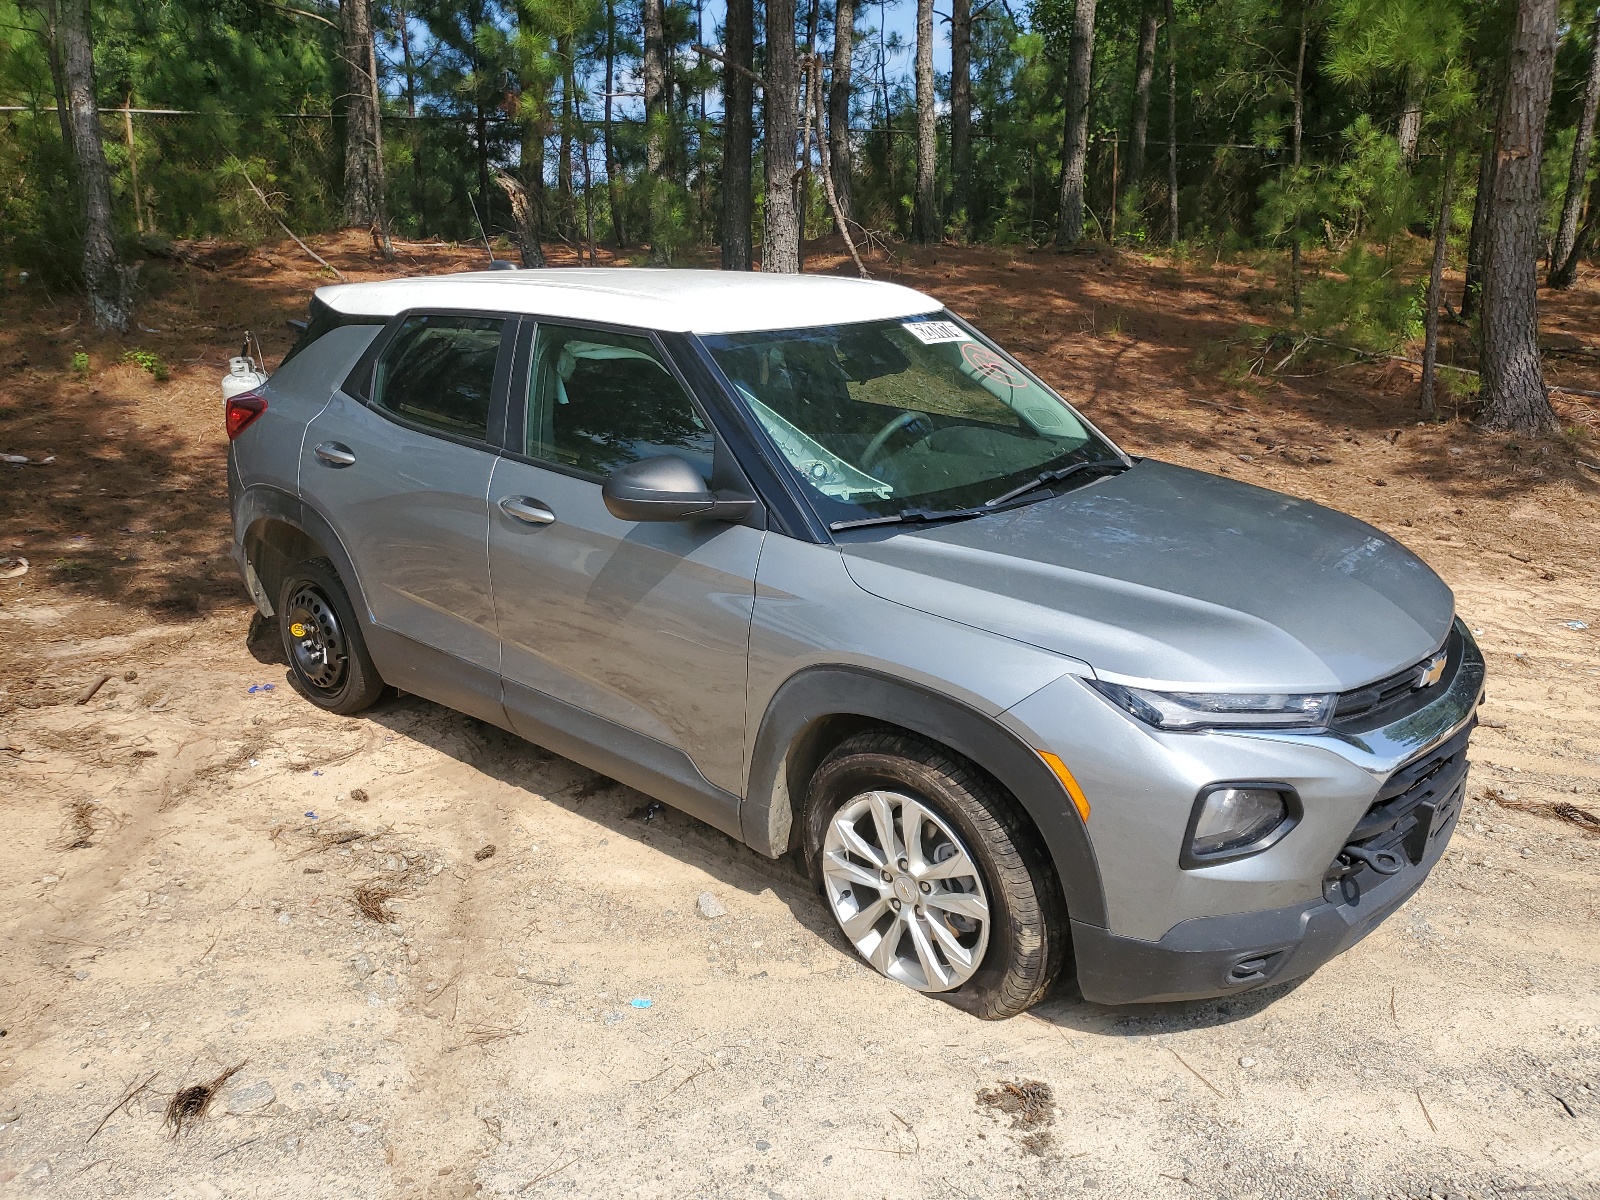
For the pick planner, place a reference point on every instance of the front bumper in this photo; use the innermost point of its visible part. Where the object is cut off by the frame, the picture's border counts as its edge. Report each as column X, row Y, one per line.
column 1218, row 956
column 1173, row 933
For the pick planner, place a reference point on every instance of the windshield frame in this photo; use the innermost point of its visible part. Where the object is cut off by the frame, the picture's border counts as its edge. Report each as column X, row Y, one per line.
column 828, row 511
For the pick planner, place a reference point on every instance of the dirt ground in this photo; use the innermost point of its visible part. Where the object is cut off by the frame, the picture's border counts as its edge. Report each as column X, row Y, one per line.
column 534, row 1000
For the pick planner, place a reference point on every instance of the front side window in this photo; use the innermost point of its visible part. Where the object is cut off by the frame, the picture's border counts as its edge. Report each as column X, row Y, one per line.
column 598, row 401
column 883, row 417
column 439, row 372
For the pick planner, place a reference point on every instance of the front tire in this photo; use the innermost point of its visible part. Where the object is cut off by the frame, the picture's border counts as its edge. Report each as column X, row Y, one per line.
column 932, row 876
column 322, row 640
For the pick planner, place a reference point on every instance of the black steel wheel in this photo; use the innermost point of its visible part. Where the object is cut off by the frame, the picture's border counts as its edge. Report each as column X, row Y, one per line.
column 322, row 639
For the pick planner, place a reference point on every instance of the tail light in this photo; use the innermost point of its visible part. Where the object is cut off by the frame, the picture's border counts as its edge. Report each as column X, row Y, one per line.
column 242, row 411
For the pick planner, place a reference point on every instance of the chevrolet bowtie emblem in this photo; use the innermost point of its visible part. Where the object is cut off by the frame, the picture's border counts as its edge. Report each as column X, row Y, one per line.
column 1432, row 671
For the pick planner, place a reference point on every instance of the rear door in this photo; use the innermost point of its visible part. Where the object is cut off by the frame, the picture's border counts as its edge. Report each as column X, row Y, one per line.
column 401, row 471
column 644, row 625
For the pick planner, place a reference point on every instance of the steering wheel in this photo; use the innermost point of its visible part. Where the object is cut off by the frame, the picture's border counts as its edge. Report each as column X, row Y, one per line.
column 875, row 446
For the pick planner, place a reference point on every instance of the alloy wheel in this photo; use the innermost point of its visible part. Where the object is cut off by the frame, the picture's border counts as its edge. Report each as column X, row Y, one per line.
column 906, row 890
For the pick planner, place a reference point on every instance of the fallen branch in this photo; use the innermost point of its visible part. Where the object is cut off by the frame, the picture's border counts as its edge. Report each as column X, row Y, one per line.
column 126, row 1097
column 1195, row 1073
column 267, row 204
column 827, row 174
column 88, row 693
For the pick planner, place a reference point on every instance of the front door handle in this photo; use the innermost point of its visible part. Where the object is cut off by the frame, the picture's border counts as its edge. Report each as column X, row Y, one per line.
column 336, row 454
column 527, row 510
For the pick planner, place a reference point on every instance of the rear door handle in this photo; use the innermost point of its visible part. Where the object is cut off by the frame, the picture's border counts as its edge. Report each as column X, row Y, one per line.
column 527, row 510
column 336, row 454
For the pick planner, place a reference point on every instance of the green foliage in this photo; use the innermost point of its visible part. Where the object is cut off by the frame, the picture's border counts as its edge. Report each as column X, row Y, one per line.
column 1366, row 301
column 148, row 361
column 80, row 365
column 505, row 84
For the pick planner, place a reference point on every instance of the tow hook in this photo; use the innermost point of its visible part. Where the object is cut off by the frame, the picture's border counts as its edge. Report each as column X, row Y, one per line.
column 1384, row 862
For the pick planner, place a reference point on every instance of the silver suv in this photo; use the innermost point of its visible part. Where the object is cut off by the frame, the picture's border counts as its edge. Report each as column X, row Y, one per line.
column 816, row 562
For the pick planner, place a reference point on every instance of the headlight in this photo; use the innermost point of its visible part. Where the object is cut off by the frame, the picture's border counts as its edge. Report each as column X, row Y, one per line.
column 1220, row 710
column 1231, row 820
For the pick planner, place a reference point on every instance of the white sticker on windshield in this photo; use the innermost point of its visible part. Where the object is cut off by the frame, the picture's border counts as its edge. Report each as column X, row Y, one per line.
column 931, row 332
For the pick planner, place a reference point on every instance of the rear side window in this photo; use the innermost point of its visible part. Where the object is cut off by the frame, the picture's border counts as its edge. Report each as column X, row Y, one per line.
column 438, row 371
column 323, row 320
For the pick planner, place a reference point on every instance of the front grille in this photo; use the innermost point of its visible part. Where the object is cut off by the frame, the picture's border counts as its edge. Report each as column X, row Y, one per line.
column 1413, row 806
column 1397, row 696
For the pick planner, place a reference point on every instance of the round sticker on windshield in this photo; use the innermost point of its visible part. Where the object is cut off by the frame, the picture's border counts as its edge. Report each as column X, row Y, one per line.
column 986, row 362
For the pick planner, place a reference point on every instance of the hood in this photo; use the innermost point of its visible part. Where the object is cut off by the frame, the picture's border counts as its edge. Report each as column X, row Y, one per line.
column 1166, row 577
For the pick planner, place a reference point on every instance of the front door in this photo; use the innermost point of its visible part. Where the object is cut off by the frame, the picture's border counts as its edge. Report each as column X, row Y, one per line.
column 644, row 625
column 403, row 478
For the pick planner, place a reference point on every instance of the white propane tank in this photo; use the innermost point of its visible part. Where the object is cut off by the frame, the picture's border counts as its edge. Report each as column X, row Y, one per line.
column 243, row 376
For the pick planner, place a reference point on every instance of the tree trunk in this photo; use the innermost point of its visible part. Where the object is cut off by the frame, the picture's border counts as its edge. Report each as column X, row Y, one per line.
column 1563, row 263
column 780, row 239
column 413, row 134
column 363, row 129
column 527, row 217
column 1491, row 95
column 1075, row 138
column 1172, row 127
column 960, row 113
column 1514, row 394
column 1299, row 138
column 1441, row 244
column 1480, row 225
column 926, row 226
column 613, row 179
column 1579, row 243
column 844, row 20
column 656, row 118
column 1144, row 74
column 738, row 131
column 58, row 73
column 566, row 211
column 109, row 284
column 1408, row 128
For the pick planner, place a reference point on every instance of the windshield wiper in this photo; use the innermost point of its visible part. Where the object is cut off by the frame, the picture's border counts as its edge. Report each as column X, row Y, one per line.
column 911, row 516
column 1044, row 478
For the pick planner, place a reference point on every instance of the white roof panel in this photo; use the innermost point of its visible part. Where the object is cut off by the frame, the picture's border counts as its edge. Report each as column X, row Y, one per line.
column 676, row 300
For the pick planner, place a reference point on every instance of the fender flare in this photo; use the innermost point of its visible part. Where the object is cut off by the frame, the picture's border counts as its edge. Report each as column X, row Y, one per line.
column 262, row 502
column 794, row 737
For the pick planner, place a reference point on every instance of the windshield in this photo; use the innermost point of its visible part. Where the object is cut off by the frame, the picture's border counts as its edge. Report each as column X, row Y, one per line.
column 885, row 417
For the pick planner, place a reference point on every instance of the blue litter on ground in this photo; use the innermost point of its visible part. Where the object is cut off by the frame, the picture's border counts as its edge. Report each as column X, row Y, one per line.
column 259, row 687
column 312, row 815
column 641, row 1002
column 316, row 772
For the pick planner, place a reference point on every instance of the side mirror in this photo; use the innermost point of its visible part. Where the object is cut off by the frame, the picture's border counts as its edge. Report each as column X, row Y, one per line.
column 667, row 488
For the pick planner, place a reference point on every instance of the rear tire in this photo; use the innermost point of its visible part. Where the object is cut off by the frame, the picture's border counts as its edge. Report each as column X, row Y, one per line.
column 984, row 928
column 322, row 640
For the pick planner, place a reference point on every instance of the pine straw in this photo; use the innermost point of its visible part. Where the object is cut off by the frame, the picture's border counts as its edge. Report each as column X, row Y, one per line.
column 1031, row 1105
column 188, row 1105
column 82, row 818
column 372, row 899
column 1559, row 810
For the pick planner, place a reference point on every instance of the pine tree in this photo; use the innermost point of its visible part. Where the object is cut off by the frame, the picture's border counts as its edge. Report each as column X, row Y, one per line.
column 1514, row 394
column 738, row 131
column 1564, row 254
column 780, row 240
column 108, row 282
column 925, row 224
column 1075, row 138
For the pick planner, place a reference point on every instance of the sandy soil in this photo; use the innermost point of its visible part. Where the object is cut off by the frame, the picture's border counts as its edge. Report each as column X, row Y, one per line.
column 558, row 1016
